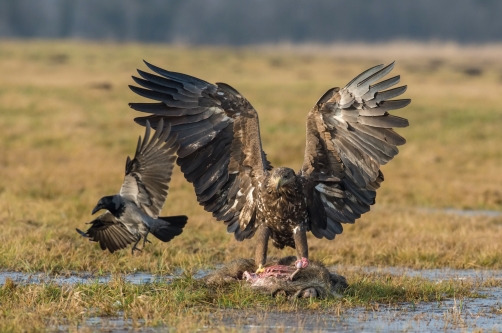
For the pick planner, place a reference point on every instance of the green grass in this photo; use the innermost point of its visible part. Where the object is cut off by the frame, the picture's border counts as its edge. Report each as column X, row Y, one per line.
column 186, row 302
column 66, row 129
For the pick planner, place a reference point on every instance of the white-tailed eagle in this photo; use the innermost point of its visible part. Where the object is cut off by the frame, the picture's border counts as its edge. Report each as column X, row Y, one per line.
column 349, row 136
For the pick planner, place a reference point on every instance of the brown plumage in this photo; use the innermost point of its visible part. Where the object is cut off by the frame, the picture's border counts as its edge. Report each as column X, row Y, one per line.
column 349, row 136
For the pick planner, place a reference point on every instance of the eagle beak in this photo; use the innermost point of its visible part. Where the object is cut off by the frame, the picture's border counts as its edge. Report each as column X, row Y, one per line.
column 97, row 208
column 278, row 183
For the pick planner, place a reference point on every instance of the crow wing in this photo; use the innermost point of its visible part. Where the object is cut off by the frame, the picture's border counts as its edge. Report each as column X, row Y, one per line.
column 148, row 174
column 349, row 136
column 109, row 232
column 218, row 134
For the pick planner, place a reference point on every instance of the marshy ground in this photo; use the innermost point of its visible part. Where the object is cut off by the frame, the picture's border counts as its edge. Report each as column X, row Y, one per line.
column 65, row 129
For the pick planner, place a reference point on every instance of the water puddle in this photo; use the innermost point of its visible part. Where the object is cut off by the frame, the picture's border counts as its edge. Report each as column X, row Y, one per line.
column 36, row 278
column 438, row 274
column 468, row 213
column 462, row 212
column 140, row 278
column 450, row 316
column 114, row 324
column 85, row 277
column 453, row 315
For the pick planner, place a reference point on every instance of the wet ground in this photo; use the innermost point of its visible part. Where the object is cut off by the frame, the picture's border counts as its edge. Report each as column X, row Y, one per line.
column 26, row 278
column 450, row 316
column 462, row 212
column 136, row 278
column 453, row 315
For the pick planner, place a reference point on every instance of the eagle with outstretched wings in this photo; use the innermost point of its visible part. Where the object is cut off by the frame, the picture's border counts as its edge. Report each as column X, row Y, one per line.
column 349, row 136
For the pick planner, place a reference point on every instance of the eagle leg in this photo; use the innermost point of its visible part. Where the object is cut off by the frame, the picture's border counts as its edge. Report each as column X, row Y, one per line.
column 302, row 249
column 260, row 258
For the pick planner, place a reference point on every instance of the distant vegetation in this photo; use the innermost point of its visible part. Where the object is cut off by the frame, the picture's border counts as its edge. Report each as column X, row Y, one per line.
column 253, row 21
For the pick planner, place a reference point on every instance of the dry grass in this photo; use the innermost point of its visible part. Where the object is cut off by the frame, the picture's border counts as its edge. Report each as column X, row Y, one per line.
column 66, row 130
column 188, row 305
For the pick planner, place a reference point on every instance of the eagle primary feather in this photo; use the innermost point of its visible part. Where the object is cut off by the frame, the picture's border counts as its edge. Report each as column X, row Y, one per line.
column 349, row 136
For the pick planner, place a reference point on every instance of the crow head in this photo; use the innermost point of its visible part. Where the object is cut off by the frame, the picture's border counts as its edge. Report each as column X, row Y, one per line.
column 112, row 203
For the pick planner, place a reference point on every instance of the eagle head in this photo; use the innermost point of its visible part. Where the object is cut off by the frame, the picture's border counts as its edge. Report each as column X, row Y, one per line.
column 281, row 179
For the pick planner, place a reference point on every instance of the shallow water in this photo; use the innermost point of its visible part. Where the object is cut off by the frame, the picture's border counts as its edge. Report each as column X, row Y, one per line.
column 450, row 315
column 438, row 274
column 35, row 278
column 446, row 316
column 462, row 212
column 141, row 277
column 74, row 278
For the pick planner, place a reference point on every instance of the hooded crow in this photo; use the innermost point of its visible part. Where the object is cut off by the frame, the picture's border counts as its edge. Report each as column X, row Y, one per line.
column 133, row 213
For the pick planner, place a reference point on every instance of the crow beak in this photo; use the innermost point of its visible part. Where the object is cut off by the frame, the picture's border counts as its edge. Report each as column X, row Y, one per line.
column 96, row 209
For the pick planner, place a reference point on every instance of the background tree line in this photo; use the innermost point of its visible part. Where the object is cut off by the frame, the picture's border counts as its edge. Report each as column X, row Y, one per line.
column 253, row 21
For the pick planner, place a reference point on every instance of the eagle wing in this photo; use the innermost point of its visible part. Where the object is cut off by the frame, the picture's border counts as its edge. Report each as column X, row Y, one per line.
column 109, row 233
column 349, row 136
column 218, row 133
column 148, row 174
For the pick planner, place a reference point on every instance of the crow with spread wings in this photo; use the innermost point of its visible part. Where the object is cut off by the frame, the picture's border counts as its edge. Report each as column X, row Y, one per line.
column 133, row 213
column 349, row 136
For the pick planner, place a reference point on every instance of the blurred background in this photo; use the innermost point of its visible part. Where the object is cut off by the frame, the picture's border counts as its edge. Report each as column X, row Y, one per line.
column 253, row 21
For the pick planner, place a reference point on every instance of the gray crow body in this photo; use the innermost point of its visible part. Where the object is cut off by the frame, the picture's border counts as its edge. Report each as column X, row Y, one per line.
column 133, row 213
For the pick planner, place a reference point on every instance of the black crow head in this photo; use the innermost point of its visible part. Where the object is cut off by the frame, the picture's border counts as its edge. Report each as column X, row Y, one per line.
column 111, row 203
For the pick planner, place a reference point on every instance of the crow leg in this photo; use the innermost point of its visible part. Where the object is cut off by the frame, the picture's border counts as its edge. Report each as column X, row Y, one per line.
column 146, row 240
column 135, row 247
column 262, row 235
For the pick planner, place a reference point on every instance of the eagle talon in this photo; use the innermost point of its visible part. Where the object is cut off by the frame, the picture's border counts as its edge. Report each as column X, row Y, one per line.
column 260, row 269
column 302, row 263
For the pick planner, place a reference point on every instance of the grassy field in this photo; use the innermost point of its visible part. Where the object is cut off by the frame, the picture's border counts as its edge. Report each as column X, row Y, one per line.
column 66, row 129
column 188, row 305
